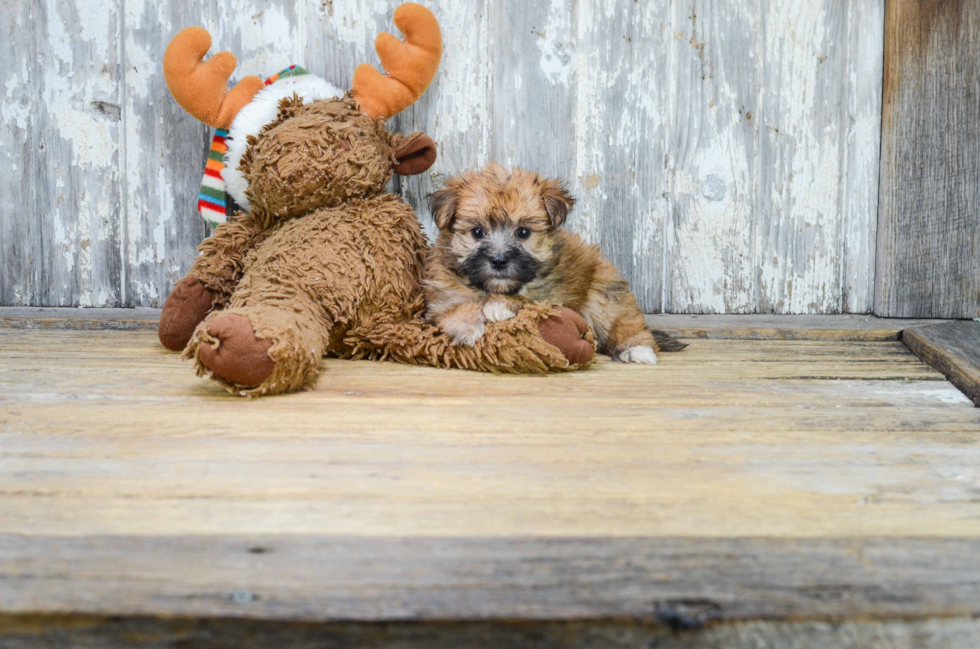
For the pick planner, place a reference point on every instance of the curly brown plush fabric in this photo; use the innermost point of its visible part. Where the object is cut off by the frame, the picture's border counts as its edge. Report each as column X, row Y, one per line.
column 327, row 263
column 313, row 156
column 221, row 262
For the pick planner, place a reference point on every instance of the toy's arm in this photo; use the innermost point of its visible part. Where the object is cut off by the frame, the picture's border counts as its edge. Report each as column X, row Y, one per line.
column 541, row 338
column 211, row 280
column 222, row 256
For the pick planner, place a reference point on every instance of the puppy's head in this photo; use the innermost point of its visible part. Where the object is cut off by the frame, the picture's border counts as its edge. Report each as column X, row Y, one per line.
column 497, row 228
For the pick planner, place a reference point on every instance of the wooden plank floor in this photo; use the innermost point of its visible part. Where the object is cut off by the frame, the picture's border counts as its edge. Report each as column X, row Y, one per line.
column 952, row 348
column 740, row 479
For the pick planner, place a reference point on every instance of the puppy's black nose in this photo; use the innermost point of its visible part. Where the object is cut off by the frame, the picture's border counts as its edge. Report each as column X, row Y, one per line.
column 499, row 262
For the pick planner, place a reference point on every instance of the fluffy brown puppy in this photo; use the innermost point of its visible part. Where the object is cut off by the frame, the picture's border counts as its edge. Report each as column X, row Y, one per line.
column 501, row 246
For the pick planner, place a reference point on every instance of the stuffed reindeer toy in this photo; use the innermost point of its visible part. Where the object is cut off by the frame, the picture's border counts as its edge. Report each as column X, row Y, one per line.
column 319, row 259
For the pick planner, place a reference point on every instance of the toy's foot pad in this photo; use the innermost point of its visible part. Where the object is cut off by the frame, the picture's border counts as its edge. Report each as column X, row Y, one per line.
column 566, row 331
column 186, row 306
column 237, row 356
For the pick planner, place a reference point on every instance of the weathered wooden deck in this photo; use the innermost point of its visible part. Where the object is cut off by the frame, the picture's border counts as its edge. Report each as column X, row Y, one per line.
column 776, row 476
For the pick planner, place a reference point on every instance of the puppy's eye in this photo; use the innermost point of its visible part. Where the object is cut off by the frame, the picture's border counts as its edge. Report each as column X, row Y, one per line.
column 478, row 233
column 523, row 233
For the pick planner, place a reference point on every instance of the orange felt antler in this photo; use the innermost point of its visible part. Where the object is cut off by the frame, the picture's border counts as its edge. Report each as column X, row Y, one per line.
column 410, row 64
column 201, row 87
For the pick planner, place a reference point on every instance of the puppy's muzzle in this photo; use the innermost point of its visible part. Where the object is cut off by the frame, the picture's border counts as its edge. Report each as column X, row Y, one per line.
column 499, row 262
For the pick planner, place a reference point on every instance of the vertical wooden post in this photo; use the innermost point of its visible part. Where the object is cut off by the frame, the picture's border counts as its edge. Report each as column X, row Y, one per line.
column 928, row 262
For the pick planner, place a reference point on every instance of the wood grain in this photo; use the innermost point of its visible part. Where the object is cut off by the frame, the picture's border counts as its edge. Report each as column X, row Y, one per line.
column 621, row 117
column 534, row 85
column 776, row 327
column 770, row 203
column 739, row 327
column 165, row 152
column 798, row 237
column 77, row 180
column 736, row 480
column 33, row 631
column 687, row 582
column 338, row 36
column 929, row 234
column 456, row 109
column 782, row 438
column 20, row 238
column 952, row 348
column 713, row 158
column 862, row 146
column 140, row 318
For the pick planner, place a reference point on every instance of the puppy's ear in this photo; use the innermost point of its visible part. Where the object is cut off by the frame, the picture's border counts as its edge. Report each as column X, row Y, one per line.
column 443, row 204
column 557, row 201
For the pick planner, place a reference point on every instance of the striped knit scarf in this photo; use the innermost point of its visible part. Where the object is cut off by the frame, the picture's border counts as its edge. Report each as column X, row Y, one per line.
column 212, row 201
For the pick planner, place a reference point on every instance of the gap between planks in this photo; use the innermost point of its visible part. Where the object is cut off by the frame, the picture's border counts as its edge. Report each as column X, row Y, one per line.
column 690, row 625
column 735, row 327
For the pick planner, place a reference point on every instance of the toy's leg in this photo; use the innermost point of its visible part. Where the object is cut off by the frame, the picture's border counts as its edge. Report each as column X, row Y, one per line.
column 188, row 303
column 263, row 349
column 540, row 338
column 234, row 353
column 210, row 281
column 570, row 333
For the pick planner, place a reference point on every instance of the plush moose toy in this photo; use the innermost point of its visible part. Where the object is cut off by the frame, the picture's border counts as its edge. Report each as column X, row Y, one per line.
column 319, row 259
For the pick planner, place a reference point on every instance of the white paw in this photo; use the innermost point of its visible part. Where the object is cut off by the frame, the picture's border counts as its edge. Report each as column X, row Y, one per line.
column 498, row 310
column 468, row 335
column 640, row 354
column 463, row 331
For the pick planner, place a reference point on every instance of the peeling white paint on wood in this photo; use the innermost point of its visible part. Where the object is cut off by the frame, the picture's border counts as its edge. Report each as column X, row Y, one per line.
column 533, row 85
column 859, row 206
column 773, row 148
column 77, row 181
column 620, row 137
column 165, row 149
column 713, row 158
column 800, row 131
column 20, row 243
column 456, row 108
column 724, row 154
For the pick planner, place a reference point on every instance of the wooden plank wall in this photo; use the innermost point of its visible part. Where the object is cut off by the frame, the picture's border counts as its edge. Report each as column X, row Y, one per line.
column 929, row 235
column 59, row 162
column 724, row 154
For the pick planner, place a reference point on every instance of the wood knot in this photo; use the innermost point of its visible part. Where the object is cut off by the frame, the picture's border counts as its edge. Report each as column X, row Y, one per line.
column 686, row 614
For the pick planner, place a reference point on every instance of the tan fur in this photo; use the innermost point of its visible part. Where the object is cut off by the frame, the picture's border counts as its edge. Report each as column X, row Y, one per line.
column 328, row 263
column 570, row 272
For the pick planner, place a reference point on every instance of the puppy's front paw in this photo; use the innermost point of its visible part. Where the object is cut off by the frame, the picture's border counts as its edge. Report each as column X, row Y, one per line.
column 464, row 328
column 464, row 333
column 498, row 310
column 639, row 354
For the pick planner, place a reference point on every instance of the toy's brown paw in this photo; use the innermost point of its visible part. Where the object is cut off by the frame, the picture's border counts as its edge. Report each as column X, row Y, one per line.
column 566, row 331
column 185, row 308
column 238, row 356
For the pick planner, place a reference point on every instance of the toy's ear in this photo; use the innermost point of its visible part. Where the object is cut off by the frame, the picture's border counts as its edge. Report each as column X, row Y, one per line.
column 443, row 204
column 415, row 153
column 557, row 201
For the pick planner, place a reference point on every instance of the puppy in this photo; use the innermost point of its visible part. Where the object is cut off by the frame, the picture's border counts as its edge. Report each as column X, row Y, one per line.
column 501, row 243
